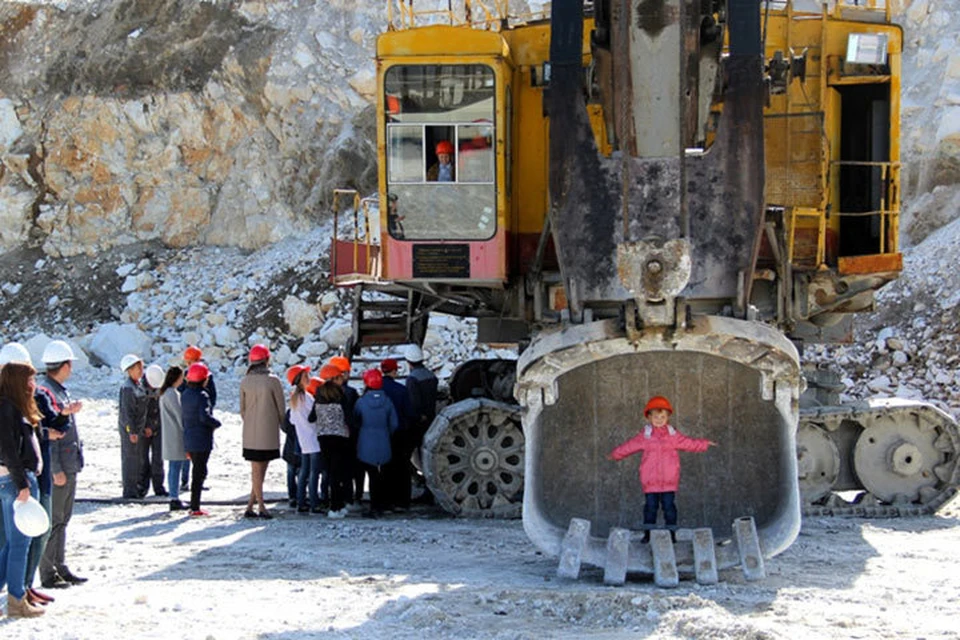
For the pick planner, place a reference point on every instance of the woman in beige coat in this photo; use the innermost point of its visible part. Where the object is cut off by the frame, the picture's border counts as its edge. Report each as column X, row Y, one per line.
column 262, row 410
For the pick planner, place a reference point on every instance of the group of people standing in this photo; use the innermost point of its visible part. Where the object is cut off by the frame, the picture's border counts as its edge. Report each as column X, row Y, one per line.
column 166, row 416
column 40, row 457
column 336, row 438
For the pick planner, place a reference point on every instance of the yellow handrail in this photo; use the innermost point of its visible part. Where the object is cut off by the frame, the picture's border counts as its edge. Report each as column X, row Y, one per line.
column 480, row 14
column 358, row 206
column 864, row 5
column 889, row 210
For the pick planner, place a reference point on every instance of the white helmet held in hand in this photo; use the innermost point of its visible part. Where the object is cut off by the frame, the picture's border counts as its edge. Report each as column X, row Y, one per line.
column 155, row 376
column 30, row 517
column 14, row 353
column 413, row 353
column 128, row 361
column 56, row 352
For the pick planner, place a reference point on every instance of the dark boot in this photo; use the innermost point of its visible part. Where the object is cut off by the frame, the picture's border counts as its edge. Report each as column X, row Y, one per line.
column 68, row 575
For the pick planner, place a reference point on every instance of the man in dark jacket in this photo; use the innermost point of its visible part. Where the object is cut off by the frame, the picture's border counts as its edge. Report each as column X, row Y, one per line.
column 132, row 419
column 66, row 460
column 422, row 387
column 398, row 469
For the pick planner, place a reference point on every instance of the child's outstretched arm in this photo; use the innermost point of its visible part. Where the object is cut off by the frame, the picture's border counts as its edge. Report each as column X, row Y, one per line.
column 628, row 448
column 696, row 445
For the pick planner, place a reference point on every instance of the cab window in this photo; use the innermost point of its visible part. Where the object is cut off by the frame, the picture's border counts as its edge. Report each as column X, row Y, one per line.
column 440, row 148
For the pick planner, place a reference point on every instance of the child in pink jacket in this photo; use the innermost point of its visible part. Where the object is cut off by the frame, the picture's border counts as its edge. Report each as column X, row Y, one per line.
column 659, row 464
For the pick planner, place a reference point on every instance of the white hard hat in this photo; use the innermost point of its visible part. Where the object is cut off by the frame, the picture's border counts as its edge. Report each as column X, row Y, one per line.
column 57, row 351
column 155, row 376
column 14, row 353
column 128, row 361
column 30, row 517
column 413, row 353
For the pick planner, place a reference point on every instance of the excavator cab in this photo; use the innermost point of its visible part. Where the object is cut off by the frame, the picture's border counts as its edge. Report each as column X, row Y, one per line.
column 442, row 126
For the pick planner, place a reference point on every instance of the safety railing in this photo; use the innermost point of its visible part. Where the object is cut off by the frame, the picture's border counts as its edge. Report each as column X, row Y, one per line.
column 873, row 6
column 796, row 213
column 492, row 15
column 887, row 176
column 357, row 256
column 835, row 8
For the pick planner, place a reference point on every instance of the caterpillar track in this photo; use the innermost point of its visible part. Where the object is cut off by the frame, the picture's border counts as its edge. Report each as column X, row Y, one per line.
column 895, row 458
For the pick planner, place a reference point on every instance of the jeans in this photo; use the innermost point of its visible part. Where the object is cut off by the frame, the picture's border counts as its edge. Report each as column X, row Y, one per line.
column 13, row 555
column 335, row 452
column 200, row 460
column 666, row 499
column 174, row 469
column 185, row 475
column 292, row 473
column 150, row 451
column 398, row 470
column 37, row 545
column 379, row 489
column 309, row 471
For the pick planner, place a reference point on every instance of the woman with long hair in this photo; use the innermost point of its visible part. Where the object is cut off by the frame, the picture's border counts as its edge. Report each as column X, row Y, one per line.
column 301, row 408
column 262, row 410
column 335, row 449
column 171, row 425
column 19, row 465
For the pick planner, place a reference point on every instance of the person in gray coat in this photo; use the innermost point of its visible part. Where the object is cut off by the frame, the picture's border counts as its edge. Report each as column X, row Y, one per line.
column 171, row 421
column 132, row 419
column 66, row 461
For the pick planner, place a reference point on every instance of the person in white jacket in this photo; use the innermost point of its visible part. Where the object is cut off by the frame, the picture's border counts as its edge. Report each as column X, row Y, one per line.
column 301, row 410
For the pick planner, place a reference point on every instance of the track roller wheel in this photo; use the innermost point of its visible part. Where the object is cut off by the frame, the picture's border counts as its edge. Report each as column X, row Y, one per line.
column 818, row 462
column 901, row 458
column 473, row 459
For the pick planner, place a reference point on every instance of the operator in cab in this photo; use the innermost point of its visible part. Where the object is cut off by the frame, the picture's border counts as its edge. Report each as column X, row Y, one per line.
column 443, row 169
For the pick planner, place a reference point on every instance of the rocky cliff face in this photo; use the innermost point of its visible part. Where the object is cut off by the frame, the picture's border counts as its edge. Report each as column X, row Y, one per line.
column 930, row 137
column 228, row 121
column 183, row 121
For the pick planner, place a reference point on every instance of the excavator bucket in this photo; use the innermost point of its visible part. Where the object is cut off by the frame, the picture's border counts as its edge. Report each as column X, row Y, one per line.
column 731, row 381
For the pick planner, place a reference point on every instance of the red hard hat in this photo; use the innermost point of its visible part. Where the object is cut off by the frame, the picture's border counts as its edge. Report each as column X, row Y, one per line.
column 314, row 384
column 259, row 352
column 657, row 402
column 340, row 363
column 295, row 371
column 329, row 372
column 445, row 146
column 389, row 365
column 192, row 354
column 197, row 372
column 373, row 379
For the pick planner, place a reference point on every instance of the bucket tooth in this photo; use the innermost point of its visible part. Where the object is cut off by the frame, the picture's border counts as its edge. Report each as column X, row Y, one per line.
column 665, row 572
column 571, row 551
column 751, row 559
column 704, row 556
column 618, row 551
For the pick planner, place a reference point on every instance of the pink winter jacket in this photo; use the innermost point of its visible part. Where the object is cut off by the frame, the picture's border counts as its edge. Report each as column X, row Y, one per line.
column 659, row 464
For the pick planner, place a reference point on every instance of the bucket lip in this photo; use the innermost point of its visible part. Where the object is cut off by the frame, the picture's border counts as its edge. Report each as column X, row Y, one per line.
column 753, row 344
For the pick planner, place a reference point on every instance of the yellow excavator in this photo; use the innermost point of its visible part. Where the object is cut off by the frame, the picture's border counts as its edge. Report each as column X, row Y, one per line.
column 663, row 197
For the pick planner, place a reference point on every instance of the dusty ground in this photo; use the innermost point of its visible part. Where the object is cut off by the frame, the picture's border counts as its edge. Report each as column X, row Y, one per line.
column 157, row 575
